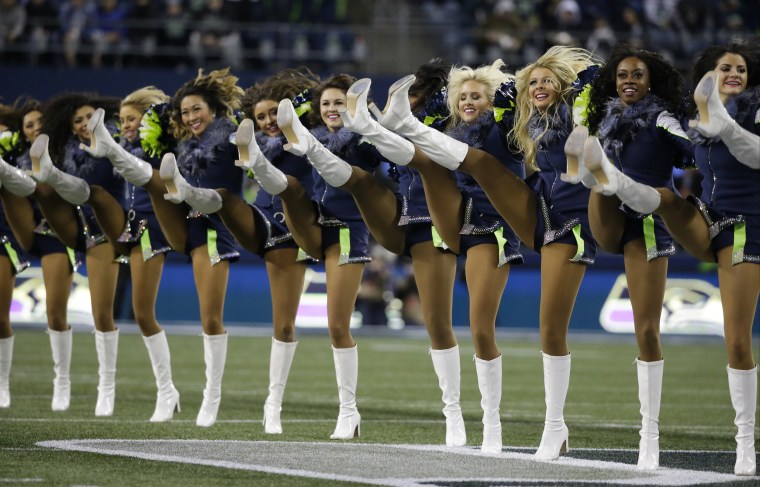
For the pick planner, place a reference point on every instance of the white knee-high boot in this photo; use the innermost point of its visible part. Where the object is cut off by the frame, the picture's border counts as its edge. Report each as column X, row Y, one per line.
column 743, row 387
column 555, row 438
column 357, row 119
column 489, row 383
column 60, row 346
column 714, row 121
column 204, row 200
column 71, row 188
column 347, row 373
column 215, row 356
column 398, row 117
column 650, row 391
column 15, row 180
column 167, row 397
column 268, row 176
column 334, row 170
column 107, row 346
column 280, row 359
column 576, row 170
column 102, row 144
column 611, row 180
column 447, row 367
column 6, row 358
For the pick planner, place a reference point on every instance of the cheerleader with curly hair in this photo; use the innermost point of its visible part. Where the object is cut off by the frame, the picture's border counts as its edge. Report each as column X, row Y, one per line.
column 634, row 111
column 71, row 196
column 260, row 227
column 22, row 222
column 723, row 226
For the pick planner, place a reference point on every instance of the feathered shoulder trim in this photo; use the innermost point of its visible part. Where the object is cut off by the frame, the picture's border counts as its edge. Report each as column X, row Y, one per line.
column 339, row 142
column 195, row 153
column 552, row 127
column 621, row 123
column 271, row 147
column 475, row 133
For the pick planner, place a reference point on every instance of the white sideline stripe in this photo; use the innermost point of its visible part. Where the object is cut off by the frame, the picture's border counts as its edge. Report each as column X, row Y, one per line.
column 661, row 476
column 19, row 481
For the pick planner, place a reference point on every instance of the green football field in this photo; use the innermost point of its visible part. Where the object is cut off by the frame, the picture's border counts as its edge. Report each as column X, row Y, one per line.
column 399, row 400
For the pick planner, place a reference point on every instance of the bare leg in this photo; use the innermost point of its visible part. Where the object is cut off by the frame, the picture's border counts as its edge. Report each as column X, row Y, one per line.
column 60, row 215
column 560, row 281
column 509, row 194
column 739, row 291
column 444, row 198
column 110, row 216
column 686, row 225
column 435, row 272
column 211, row 284
column 102, row 273
column 301, row 217
column 646, row 285
column 379, row 208
column 342, row 288
column 58, row 276
column 171, row 217
column 8, row 278
column 286, row 280
column 20, row 216
column 146, row 278
column 238, row 217
column 606, row 220
column 485, row 283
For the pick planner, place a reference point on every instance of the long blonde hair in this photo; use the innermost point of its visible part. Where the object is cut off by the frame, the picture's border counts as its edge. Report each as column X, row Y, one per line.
column 565, row 63
column 490, row 76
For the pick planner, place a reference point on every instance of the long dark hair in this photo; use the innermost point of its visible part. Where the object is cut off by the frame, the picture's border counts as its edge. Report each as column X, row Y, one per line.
column 665, row 81
column 708, row 59
column 59, row 110
column 430, row 78
column 285, row 84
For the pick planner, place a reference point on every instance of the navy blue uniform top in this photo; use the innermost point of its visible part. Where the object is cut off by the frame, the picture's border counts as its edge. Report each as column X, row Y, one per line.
column 290, row 164
column 728, row 185
column 645, row 141
column 552, row 161
column 96, row 171
column 486, row 135
column 336, row 203
column 208, row 161
column 139, row 198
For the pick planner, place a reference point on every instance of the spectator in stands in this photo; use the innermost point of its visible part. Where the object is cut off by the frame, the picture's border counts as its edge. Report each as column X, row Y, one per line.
column 12, row 25
column 75, row 18
column 215, row 39
column 109, row 33
column 142, row 21
column 174, row 35
column 41, row 27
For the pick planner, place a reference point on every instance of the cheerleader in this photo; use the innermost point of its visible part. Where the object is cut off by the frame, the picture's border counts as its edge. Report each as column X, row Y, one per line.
column 723, row 226
column 634, row 102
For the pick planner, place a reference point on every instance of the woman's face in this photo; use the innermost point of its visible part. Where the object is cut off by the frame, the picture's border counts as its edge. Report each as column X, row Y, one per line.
column 31, row 125
column 732, row 75
column 196, row 114
column 79, row 122
column 130, row 118
column 331, row 100
column 265, row 116
column 473, row 101
column 541, row 88
column 632, row 80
